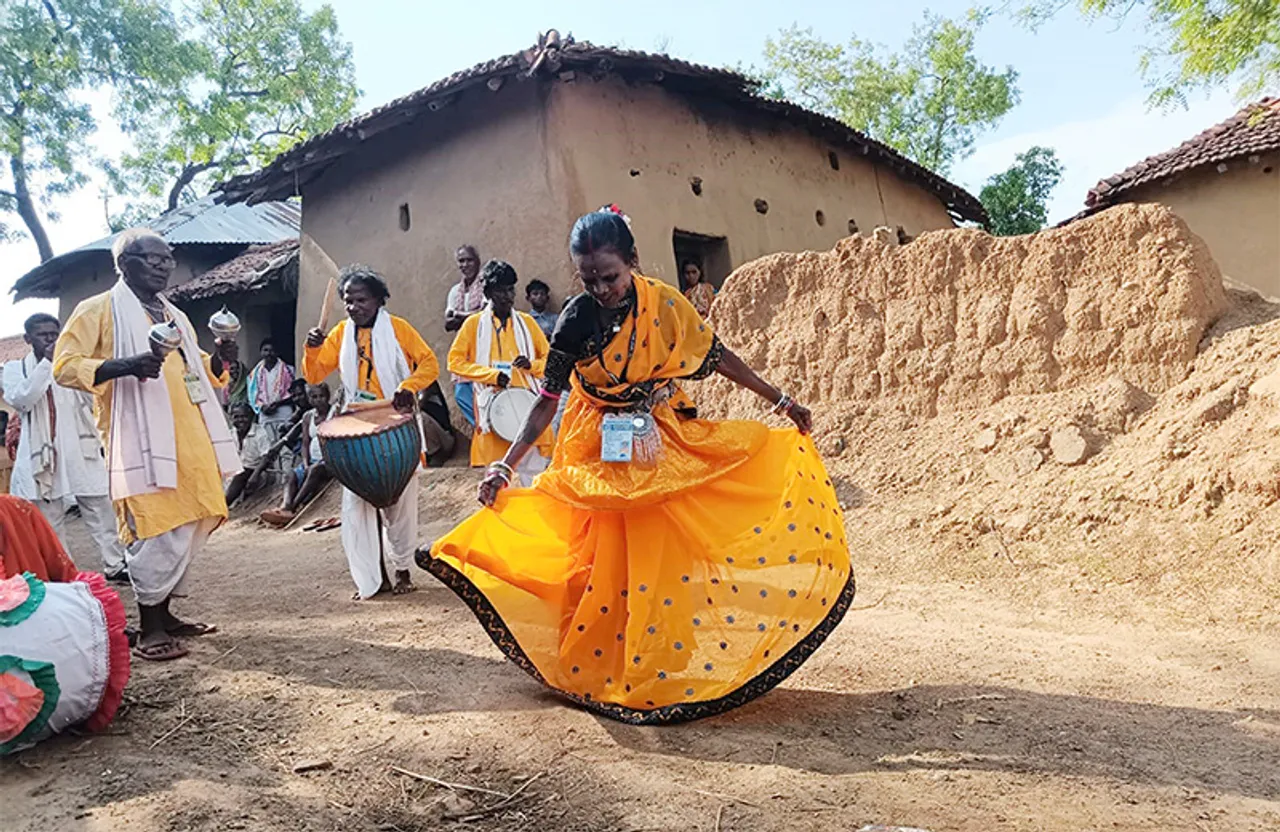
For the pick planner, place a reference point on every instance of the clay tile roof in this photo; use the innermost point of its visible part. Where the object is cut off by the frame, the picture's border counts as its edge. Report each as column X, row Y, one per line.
column 203, row 222
column 256, row 268
column 555, row 59
column 1253, row 130
column 12, row 347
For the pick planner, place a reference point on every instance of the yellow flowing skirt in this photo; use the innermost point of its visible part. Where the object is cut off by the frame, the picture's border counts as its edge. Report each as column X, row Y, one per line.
column 661, row 594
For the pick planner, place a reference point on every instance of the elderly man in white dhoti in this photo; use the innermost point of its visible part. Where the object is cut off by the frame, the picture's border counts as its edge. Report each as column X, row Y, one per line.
column 168, row 444
column 60, row 460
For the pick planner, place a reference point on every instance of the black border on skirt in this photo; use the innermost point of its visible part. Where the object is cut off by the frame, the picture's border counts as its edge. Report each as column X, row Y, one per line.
column 672, row 714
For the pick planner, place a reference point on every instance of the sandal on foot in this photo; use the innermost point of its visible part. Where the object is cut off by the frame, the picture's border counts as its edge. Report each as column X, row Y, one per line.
column 191, row 629
column 164, row 652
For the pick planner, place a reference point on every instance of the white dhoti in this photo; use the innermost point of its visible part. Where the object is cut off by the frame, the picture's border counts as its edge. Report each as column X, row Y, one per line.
column 99, row 516
column 360, row 537
column 158, row 565
column 55, row 511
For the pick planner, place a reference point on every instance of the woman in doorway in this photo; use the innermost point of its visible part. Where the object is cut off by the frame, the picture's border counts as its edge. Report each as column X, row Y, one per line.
column 696, row 288
column 678, row 584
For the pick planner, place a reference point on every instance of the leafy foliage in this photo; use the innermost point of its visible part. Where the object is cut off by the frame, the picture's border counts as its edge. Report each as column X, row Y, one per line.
column 1017, row 200
column 263, row 75
column 929, row 101
column 227, row 84
column 1198, row 44
column 51, row 53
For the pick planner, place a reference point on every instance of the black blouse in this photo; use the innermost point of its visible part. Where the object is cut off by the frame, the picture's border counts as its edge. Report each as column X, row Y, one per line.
column 579, row 335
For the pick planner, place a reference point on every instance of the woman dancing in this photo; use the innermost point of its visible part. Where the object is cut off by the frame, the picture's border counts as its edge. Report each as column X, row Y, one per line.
column 683, row 582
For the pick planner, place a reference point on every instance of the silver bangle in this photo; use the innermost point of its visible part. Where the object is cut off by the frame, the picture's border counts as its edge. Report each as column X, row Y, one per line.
column 783, row 404
column 503, row 469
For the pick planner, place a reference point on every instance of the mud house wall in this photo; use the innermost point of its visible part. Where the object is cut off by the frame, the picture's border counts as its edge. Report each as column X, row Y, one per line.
column 1236, row 212
column 98, row 275
column 478, row 171
column 640, row 146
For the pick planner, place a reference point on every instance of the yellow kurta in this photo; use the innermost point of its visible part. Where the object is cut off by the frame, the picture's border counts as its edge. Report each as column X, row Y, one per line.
column 319, row 362
column 87, row 340
column 489, row 447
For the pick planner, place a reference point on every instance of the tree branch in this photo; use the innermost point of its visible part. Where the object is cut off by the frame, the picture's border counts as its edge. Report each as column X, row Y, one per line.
column 189, row 173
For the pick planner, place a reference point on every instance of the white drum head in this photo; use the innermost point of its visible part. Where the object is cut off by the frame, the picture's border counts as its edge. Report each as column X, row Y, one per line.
column 508, row 410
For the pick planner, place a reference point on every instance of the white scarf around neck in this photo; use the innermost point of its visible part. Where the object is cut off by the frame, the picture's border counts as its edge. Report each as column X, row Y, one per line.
column 389, row 363
column 142, row 454
column 40, row 422
column 484, row 345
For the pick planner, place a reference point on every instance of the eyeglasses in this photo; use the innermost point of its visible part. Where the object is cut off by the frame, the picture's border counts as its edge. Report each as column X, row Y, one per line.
column 155, row 261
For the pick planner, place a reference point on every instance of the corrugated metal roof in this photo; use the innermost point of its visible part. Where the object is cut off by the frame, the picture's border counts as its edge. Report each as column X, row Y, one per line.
column 203, row 222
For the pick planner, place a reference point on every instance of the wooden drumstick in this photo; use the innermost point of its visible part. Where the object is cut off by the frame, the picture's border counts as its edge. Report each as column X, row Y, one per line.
column 324, row 265
column 330, row 295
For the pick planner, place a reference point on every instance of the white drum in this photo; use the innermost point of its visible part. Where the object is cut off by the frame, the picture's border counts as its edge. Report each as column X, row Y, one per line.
column 508, row 409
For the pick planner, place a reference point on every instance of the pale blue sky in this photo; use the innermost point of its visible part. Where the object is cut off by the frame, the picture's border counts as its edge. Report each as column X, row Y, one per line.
column 1081, row 92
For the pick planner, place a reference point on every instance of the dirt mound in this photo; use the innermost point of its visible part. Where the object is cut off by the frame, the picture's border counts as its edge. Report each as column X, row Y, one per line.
column 960, row 319
column 1082, row 410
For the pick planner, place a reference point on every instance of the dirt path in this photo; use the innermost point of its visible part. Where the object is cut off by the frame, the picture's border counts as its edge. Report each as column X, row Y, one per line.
column 933, row 705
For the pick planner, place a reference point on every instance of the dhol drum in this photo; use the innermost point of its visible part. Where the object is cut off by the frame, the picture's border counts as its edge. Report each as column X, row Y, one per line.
column 508, row 409
column 373, row 450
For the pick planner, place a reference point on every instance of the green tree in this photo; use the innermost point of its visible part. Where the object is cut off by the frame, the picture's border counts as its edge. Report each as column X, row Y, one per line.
column 52, row 52
column 929, row 101
column 1017, row 200
column 1196, row 44
column 264, row 75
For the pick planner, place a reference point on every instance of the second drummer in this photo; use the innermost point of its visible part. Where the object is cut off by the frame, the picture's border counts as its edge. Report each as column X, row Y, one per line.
column 376, row 353
column 497, row 348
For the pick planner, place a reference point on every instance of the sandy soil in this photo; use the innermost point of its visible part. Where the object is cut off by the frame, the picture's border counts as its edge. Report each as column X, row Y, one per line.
column 946, row 706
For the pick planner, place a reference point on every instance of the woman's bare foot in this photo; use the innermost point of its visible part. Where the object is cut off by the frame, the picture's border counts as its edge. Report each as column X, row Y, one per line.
column 403, row 583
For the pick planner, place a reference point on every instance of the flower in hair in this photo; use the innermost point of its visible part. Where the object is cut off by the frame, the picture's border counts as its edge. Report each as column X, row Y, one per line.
column 613, row 208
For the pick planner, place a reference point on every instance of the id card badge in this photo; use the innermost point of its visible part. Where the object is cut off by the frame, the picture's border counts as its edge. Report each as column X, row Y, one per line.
column 616, row 434
column 503, row 367
column 365, row 396
column 195, row 389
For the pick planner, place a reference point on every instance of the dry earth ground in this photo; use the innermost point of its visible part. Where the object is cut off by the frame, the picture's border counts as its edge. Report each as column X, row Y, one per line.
column 942, row 705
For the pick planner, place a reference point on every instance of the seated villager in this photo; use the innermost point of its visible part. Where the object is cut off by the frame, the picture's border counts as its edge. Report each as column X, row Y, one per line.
column 310, row 475
column 269, row 391
column 255, row 446
column 498, row 348
column 438, row 439
column 379, row 356
column 237, row 389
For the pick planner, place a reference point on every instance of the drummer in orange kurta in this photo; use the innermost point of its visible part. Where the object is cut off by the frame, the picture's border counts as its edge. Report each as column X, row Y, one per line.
column 376, row 354
column 497, row 348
